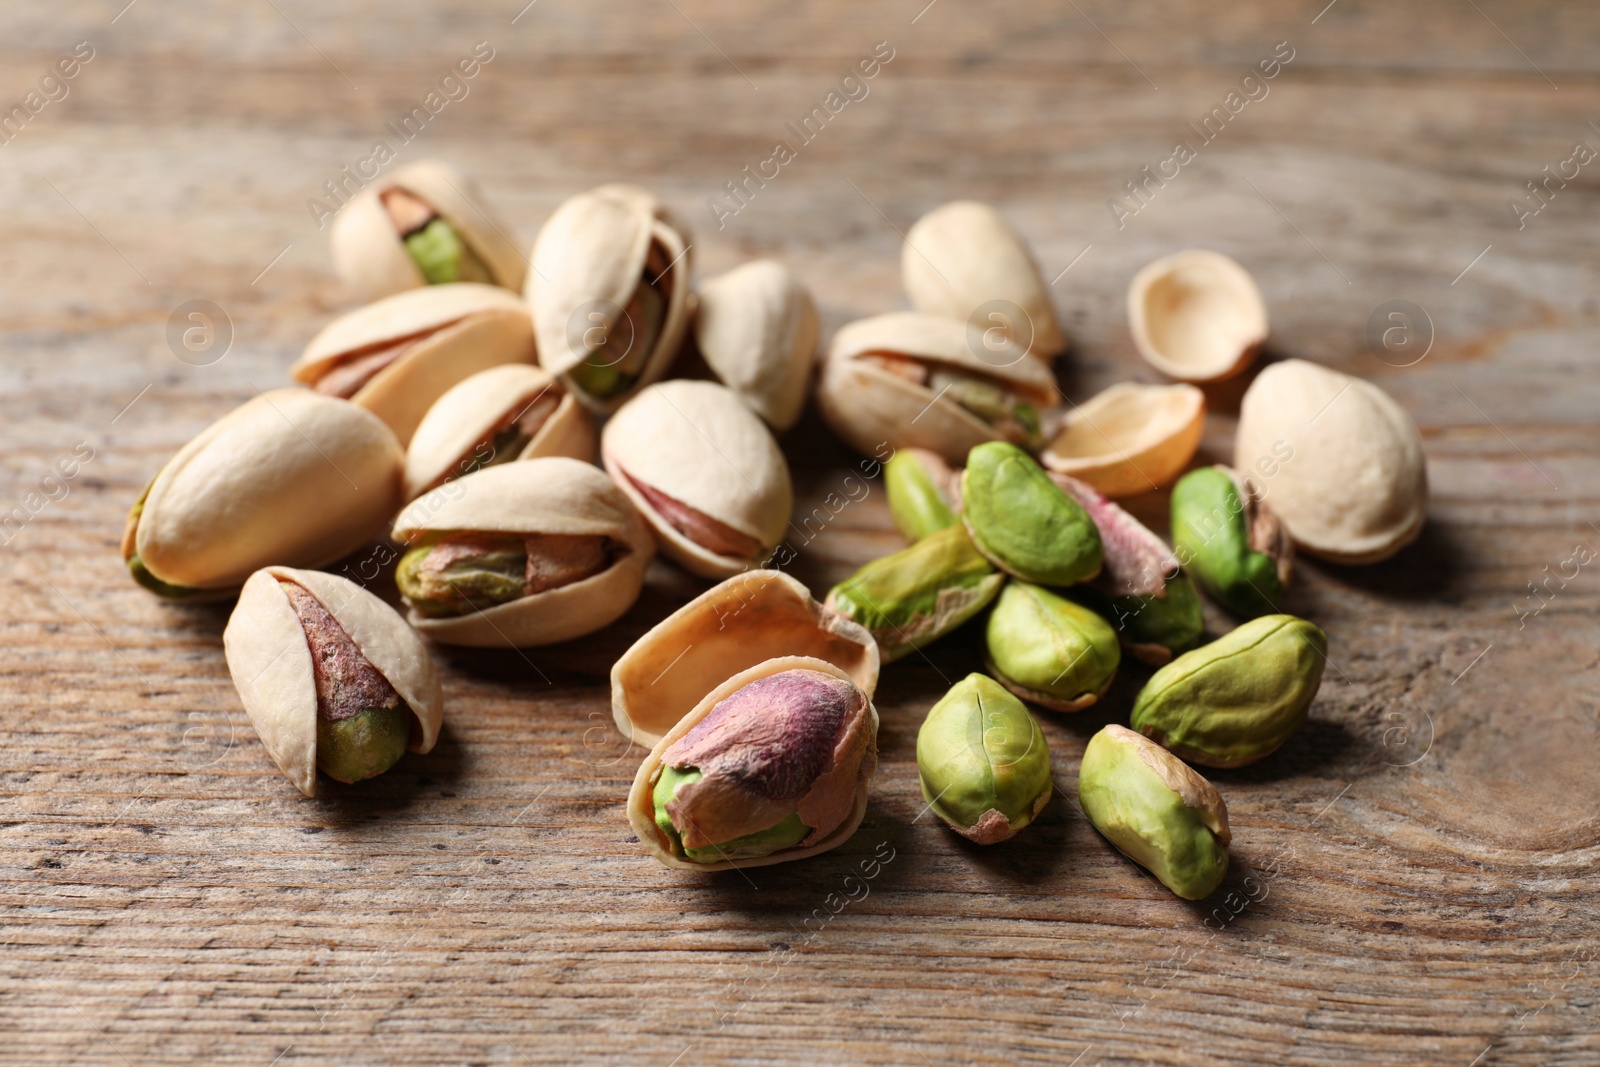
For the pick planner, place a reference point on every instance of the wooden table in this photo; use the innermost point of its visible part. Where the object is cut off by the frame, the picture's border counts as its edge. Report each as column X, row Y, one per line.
column 1415, row 872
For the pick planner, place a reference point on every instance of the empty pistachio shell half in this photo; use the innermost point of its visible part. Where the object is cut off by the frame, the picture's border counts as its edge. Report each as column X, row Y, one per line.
column 1342, row 462
column 750, row 618
column 772, row 765
column 757, row 328
column 399, row 355
column 610, row 292
column 704, row 471
column 962, row 256
column 983, row 761
column 1047, row 649
column 331, row 677
column 924, row 492
column 1197, row 316
column 1023, row 522
column 1129, row 439
column 220, row 510
column 506, row 413
column 911, row 380
column 1237, row 699
column 422, row 225
column 1155, row 810
column 1230, row 541
column 917, row 595
column 521, row 554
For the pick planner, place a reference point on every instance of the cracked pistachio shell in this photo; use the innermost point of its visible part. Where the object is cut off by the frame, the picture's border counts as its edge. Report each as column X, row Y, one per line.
column 461, row 424
column 1047, row 649
column 868, row 406
column 746, row 620
column 448, row 333
column 289, row 477
column 836, row 795
column 1354, row 485
column 1156, row 810
column 1230, row 541
column 963, row 255
column 912, row 597
column 1023, row 522
column 554, row 495
column 1197, row 316
column 701, row 446
column 757, row 328
column 588, row 261
column 983, row 761
column 370, row 256
column 1237, row 699
column 1129, row 439
column 270, row 661
column 924, row 492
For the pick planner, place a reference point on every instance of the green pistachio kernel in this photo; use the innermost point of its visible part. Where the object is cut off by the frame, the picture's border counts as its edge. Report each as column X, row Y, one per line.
column 603, row 372
column 494, row 572
column 785, row 833
column 1151, row 628
column 1023, row 522
column 363, row 745
column 1229, row 554
column 983, row 761
column 436, row 249
column 1047, row 649
column 918, row 483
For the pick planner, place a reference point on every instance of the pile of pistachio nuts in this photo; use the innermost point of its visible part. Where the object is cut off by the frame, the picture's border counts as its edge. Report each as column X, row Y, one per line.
column 511, row 427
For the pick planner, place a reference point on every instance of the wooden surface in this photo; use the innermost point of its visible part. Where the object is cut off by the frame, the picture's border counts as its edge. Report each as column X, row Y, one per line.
column 1415, row 873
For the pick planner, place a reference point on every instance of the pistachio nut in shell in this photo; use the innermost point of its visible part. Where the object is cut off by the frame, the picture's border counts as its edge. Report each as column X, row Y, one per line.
column 1023, row 522
column 1197, row 316
column 704, row 471
column 911, row 380
column 290, row 477
column 331, row 676
column 983, row 761
column 915, row 596
column 399, row 355
column 772, row 765
column 962, row 256
column 1230, row 541
column 521, row 554
column 506, row 413
column 1237, row 699
column 1047, row 649
column 1156, row 810
column 746, row 620
column 1343, row 461
column 1130, row 439
column 924, row 492
column 757, row 328
column 610, row 292
column 424, row 224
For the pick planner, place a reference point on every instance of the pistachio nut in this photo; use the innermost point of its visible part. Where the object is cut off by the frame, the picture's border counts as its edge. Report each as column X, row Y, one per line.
column 748, row 619
column 610, row 292
column 399, row 355
column 1129, row 439
column 1231, row 541
column 1023, row 522
column 331, row 677
column 422, row 225
column 757, row 328
column 963, row 255
column 1152, row 628
column 1343, row 461
column 924, row 492
column 772, row 765
column 521, row 554
column 1237, row 699
column 983, row 761
column 1047, row 649
column 1156, row 810
column 506, row 413
column 920, row 381
column 704, row 471
column 915, row 596
column 289, row 477
column 1197, row 316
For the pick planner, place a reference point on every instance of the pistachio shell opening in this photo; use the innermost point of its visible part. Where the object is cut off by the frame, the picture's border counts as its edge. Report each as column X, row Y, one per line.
column 1129, row 439
column 983, row 761
column 757, row 328
column 1197, row 316
column 1047, row 649
column 1023, row 522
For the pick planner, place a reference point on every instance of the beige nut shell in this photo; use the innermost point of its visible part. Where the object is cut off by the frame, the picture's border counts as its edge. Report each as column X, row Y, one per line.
column 1130, row 438
column 270, row 662
column 289, row 477
column 468, row 328
column 964, row 254
column 552, row 495
column 731, row 627
column 467, row 414
column 1356, row 487
column 757, row 328
column 1197, row 316
column 372, row 259
column 701, row 445
column 641, row 806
